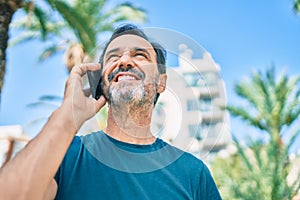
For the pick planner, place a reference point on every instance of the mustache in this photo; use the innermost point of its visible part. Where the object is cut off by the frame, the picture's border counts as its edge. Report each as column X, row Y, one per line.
column 112, row 75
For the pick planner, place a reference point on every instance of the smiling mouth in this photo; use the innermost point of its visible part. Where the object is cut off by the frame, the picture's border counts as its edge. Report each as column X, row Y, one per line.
column 125, row 77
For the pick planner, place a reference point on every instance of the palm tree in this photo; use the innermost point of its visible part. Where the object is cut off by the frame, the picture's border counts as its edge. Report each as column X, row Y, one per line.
column 261, row 169
column 74, row 25
column 77, row 30
column 7, row 10
column 297, row 5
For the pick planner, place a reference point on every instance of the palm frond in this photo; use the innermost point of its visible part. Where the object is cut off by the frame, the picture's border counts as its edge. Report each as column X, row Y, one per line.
column 42, row 18
column 249, row 93
column 267, row 106
column 50, row 101
column 50, row 51
column 42, row 104
column 257, row 147
column 125, row 12
column 33, row 30
column 84, row 33
column 244, row 113
column 40, row 120
column 25, row 36
column 36, row 18
column 107, row 27
column 132, row 13
column 288, row 95
column 292, row 139
column 243, row 155
column 297, row 6
column 51, row 98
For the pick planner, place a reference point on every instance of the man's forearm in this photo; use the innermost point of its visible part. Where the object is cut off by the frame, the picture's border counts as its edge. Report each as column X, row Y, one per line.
column 31, row 171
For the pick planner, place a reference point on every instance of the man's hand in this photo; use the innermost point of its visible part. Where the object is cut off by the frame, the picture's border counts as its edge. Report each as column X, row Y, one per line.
column 76, row 100
column 32, row 170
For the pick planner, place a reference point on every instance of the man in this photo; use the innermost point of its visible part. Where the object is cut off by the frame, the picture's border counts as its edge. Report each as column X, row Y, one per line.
column 125, row 160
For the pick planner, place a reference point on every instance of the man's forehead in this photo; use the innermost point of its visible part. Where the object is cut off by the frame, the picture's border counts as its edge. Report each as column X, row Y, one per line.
column 129, row 41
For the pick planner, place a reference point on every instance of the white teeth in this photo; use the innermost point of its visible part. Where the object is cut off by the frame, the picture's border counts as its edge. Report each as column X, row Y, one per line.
column 125, row 77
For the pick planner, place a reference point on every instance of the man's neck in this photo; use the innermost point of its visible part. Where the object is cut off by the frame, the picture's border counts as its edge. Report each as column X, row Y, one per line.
column 130, row 125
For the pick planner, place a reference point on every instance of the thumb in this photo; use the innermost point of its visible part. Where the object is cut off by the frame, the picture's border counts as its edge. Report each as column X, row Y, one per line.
column 99, row 103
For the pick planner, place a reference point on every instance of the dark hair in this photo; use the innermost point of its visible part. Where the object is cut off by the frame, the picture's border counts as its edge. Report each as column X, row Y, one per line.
column 134, row 30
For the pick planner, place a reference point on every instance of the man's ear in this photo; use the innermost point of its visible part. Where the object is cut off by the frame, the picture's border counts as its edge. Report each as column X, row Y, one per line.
column 162, row 81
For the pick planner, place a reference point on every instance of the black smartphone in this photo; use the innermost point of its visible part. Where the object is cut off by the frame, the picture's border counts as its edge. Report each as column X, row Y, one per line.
column 95, row 79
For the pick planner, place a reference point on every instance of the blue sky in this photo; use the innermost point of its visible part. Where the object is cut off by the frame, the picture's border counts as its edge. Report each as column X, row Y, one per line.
column 240, row 35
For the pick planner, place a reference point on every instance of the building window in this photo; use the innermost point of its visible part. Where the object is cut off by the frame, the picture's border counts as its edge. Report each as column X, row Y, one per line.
column 205, row 104
column 201, row 79
column 192, row 105
column 191, row 79
column 208, row 129
column 211, row 78
column 194, row 131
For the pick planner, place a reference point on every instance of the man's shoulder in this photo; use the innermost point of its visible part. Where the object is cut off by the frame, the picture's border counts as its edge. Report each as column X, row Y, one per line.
column 189, row 165
column 98, row 134
column 186, row 159
column 186, row 155
column 80, row 141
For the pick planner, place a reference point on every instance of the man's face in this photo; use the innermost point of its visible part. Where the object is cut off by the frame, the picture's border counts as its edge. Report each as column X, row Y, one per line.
column 130, row 70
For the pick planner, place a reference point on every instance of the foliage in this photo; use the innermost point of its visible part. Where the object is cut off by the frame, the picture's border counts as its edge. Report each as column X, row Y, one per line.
column 74, row 27
column 61, row 24
column 297, row 5
column 260, row 170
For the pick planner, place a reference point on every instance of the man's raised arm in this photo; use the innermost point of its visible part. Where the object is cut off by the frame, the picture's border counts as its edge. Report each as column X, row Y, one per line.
column 31, row 172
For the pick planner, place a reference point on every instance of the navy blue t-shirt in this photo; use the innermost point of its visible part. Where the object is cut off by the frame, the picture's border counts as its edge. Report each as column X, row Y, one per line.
column 97, row 166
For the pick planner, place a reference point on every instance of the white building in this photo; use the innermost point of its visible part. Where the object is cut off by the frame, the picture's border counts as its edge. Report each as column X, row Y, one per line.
column 189, row 113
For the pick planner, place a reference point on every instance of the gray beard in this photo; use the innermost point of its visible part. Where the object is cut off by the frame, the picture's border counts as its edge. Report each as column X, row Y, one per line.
column 127, row 94
column 130, row 103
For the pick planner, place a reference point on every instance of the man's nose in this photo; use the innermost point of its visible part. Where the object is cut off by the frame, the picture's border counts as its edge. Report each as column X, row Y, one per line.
column 126, row 61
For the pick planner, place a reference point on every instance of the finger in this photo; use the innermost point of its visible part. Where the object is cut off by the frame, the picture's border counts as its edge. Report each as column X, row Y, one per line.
column 83, row 68
column 99, row 103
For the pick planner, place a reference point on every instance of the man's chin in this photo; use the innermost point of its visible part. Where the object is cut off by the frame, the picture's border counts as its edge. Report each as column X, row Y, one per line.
column 126, row 94
column 125, row 86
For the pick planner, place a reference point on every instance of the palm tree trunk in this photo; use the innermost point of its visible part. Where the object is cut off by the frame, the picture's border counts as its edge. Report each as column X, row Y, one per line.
column 7, row 9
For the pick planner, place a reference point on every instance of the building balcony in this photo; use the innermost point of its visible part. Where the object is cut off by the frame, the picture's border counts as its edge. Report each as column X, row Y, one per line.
column 213, row 116
column 209, row 91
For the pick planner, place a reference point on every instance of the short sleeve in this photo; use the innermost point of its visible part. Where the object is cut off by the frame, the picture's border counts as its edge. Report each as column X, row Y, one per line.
column 64, row 174
column 207, row 189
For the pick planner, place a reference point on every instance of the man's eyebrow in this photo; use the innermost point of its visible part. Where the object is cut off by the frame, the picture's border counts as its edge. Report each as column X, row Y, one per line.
column 142, row 49
column 133, row 49
column 112, row 51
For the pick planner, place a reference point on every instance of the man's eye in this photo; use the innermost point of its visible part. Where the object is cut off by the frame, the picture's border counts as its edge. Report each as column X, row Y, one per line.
column 140, row 55
column 112, row 57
